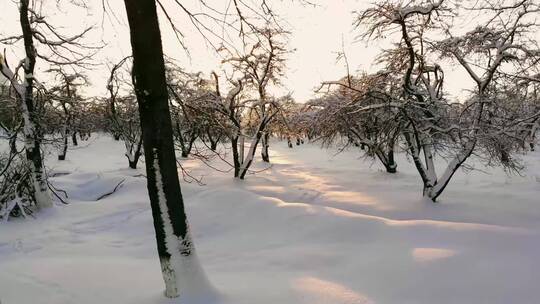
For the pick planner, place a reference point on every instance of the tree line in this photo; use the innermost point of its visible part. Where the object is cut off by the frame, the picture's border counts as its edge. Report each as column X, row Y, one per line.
column 159, row 110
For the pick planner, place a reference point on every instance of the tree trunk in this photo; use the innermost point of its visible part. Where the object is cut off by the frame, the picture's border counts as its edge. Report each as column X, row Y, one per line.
column 186, row 148
column 133, row 152
column 32, row 128
column 179, row 265
column 505, row 157
column 213, row 141
column 65, row 132
column 74, row 138
column 133, row 164
column 181, row 140
column 236, row 155
column 213, row 145
column 391, row 166
column 246, row 162
column 387, row 159
column 264, row 148
column 13, row 143
column 62, row 155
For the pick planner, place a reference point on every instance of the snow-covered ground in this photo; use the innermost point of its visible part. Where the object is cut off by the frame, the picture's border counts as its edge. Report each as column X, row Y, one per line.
column 314, row 228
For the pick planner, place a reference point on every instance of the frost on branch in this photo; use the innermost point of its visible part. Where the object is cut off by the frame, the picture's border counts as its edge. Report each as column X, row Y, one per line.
column 495, row 120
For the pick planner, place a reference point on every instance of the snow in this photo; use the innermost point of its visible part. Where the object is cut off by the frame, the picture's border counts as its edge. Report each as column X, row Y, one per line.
column 314, row 228
column 182, row 274
column 431, row 254
column 8, row 74
column 418, row 9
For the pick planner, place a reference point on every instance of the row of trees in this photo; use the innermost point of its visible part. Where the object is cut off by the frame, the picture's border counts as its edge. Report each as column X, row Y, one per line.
column 407, row 106
column 153, row 107
column 27, row 96
column 243, row 116
column 158, row 109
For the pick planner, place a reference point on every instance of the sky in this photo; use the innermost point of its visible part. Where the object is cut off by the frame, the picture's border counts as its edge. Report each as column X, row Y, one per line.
column 317, row 34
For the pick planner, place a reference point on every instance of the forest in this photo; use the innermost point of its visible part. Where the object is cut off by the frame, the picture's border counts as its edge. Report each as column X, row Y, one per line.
column 269, row 151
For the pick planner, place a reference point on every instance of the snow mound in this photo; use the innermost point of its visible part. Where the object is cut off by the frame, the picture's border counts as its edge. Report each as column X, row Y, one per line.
column 313, row 229
column 89, row 186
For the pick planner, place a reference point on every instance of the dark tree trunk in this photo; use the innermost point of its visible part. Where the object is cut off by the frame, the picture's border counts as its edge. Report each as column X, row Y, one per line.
column 161, row 170
column 236, row 154
column 13, row 144
column 387, row 159
column 391, row 166
column 62, row 155
column 213, row 145
column 186, row 148
column 74, row 138
column 505, row 157
column 245, row 167
column 136, row 155
column 65, row 133
column 133, row 164
column 264, row 149
column 213, row 141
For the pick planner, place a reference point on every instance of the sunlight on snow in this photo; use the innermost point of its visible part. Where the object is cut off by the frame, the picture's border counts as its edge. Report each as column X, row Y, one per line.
column 279, row 158
column 317, row 291
column 330, row 192
column 350, row 197
column 267, row 188
column 431, row 254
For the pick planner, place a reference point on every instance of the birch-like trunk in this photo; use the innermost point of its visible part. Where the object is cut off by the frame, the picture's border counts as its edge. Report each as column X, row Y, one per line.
column 34, row 159
column 65, row 132
column 31, row 130
column 248, row 159
column 63, row 150
column 180, row 268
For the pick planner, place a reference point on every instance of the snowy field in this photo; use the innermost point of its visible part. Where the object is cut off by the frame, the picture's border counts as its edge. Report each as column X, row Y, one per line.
column 315, row 228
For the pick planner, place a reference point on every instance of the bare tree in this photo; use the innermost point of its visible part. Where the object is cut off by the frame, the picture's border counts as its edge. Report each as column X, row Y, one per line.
column 244, row 121
column 25, row 92
column 175, row 248
column 16, row 193
column 359, row 110
column 65, row 93
column 188, row 90
column 57, row 49
column 434, row 124
column 262, row 63
column 123, row 114
column 179, row 264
